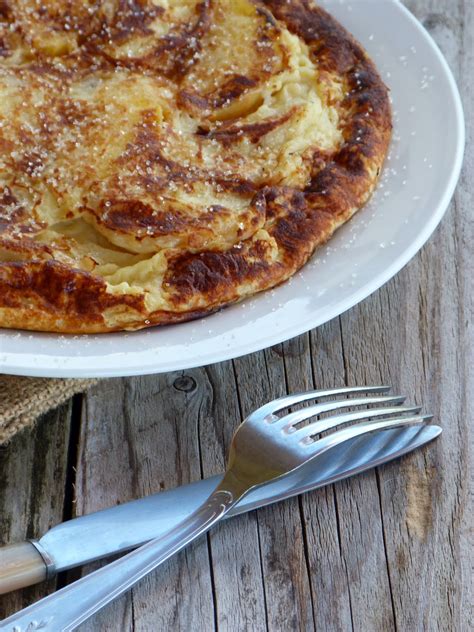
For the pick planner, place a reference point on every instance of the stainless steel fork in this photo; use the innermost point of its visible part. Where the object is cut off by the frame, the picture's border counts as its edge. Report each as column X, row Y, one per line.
column 266, row 446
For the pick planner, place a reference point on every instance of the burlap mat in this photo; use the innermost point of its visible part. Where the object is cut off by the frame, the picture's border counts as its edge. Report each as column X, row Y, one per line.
column 24, row 399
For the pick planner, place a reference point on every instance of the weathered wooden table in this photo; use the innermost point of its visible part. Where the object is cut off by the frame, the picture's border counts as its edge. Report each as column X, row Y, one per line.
column 391, row 549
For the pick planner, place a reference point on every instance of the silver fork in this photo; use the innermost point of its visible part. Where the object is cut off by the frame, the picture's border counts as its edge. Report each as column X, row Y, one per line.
column 264, row 447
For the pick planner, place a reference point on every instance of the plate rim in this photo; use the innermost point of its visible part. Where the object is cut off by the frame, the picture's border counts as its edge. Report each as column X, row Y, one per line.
column 15, row 365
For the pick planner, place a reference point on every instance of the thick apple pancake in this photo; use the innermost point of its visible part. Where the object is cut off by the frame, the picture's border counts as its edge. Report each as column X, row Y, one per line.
column 163, row 158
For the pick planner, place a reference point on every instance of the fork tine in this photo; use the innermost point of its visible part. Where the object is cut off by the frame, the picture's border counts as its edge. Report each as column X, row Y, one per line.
column 297, row 398
column 317, row 409
column 315, row 448
column 336, row 420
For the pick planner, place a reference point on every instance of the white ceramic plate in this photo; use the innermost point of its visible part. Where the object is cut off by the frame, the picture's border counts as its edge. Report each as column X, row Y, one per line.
column 418, row 181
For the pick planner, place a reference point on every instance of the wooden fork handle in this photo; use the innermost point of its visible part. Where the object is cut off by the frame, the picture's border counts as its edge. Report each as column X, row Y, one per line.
column 20, row 565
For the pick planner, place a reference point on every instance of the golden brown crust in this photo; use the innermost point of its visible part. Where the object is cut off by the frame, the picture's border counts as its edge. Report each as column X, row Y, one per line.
column 255, row 229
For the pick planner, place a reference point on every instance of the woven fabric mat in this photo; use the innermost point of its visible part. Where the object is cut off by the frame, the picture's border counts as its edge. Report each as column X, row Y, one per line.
column 24, row 399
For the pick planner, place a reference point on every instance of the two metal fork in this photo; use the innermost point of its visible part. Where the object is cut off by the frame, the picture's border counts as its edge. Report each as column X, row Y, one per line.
column 265, row 446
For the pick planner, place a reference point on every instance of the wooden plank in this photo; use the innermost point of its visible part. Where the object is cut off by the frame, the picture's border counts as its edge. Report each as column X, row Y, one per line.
column 427, row 512
column 236, row 566
column 420, row 496
column 261, row 378
column 359, row 558
column 140, row 436
column 329, row 573
column 33, row 469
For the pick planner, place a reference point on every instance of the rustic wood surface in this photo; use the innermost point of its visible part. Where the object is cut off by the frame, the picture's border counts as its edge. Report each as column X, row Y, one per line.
column 389, row 550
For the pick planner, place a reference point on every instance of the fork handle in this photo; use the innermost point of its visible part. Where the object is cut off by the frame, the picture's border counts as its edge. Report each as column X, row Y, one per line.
column 69, row 607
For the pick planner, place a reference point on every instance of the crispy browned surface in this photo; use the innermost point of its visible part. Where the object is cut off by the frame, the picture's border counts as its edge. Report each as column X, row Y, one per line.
column 231, row 230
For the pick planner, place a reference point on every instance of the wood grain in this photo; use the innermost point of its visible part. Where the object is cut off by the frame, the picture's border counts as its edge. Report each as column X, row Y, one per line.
column 389, row 550
column 33, row 475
